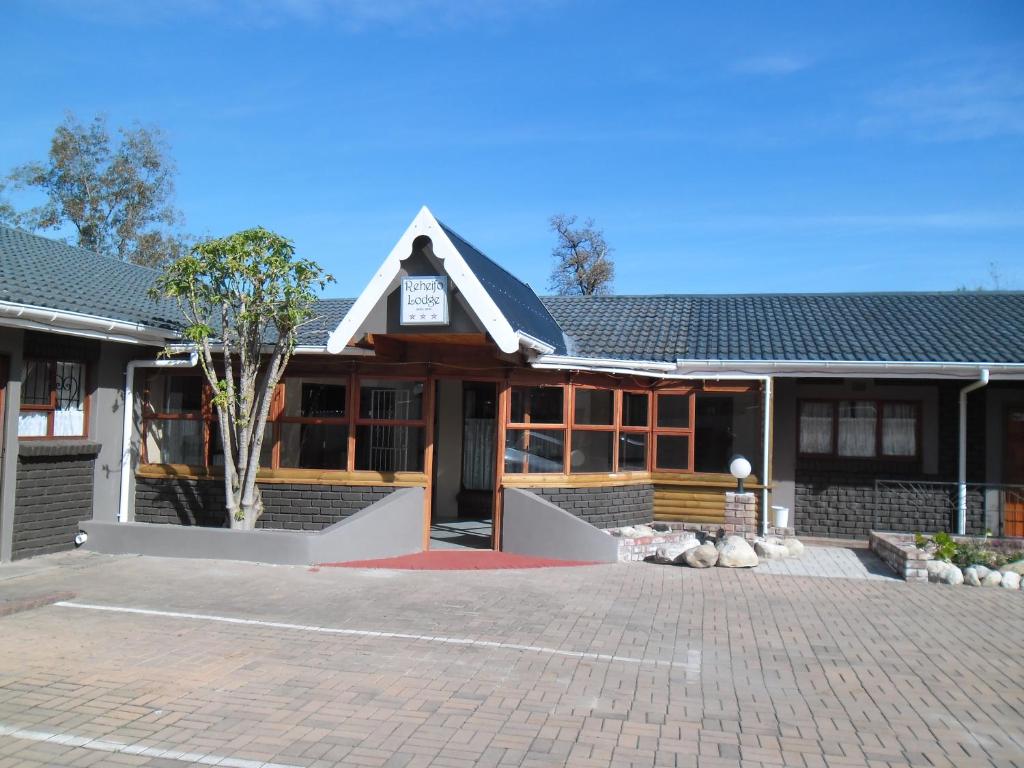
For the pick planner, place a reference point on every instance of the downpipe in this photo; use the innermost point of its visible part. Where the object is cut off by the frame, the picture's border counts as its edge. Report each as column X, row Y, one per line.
column 129, row 419
column 961, row 488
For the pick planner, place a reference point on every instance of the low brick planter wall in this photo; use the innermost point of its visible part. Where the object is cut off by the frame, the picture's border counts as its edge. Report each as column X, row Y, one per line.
column 636, row 548
column 900, row 553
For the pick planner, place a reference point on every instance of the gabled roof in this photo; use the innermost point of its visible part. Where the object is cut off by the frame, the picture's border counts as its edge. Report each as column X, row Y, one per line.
column 508, row 308
column 51, row 274
column 906, row 327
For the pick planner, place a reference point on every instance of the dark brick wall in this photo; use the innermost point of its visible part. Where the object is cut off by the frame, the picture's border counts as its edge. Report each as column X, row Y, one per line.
column 53, row 493
column 292, row 506
column 605, row 507
column 836, row 498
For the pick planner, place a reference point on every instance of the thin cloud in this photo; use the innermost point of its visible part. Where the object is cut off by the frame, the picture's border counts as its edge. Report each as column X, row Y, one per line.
column 961, row 101
column 781, row 64
column 354, row 15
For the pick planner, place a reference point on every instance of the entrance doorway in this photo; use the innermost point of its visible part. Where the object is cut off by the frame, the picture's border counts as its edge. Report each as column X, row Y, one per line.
column 465, row 451
column 1013, row 498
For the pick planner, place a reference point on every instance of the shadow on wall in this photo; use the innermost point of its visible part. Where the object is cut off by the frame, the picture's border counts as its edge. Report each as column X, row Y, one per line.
column 192, row 504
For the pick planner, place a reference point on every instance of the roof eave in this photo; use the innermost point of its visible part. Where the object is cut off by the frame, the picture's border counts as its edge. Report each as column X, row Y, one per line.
column 29, row 316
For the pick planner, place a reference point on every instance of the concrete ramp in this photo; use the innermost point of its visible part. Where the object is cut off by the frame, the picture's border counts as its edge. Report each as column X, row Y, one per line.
column 534, row 526
column 391, row 527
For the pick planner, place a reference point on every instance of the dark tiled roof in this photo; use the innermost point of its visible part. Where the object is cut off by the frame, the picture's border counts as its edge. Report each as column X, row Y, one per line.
column 48, row 273
column 939, row 327
column 517, row 301
column 327, row 315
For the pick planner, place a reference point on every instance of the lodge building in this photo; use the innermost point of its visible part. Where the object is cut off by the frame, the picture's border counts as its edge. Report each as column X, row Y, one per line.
column 449, row 376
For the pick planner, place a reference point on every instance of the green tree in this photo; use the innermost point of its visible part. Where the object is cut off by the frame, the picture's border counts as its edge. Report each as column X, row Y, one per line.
column 583, row 264
column 245, row 297
column 116, row 194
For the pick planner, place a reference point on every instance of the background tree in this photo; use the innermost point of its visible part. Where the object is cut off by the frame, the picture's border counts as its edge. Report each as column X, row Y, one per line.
column 583, row 264
column 246, row 295
column 117, row 195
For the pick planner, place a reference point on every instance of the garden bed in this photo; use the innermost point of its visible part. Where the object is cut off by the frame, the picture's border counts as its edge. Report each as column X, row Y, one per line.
column 915, row 557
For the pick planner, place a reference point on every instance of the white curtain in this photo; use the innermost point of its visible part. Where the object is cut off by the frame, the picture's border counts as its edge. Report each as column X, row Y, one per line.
column 857, row 426
column 478, row 454
column 178, row 441
column 69, row 422
column 816, row 428
column 31, row 424
column 899, row 429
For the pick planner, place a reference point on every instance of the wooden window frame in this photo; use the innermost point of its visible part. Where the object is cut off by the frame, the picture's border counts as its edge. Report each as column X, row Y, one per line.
column 51, row 407
column 688, row 431
column 277, row 417
column 611, row 428
column 529, row 426
column 203, row 414
column 357, row 420
column 623, row 429
column 879, row 403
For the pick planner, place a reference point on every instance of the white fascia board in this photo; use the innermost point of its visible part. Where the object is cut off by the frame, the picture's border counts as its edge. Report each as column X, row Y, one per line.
column 461, row 275
column 850, row 368
column 28, row 316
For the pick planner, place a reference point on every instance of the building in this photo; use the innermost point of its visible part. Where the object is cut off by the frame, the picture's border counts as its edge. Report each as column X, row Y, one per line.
column 901, row 411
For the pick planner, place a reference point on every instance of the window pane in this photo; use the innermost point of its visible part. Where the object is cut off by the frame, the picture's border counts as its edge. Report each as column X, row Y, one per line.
column 591, row 451
column 632, row 452
column 37, row 382
column 727, row 424
column 857, row 423
column 815, row 427
column 673, row 452
column 538, row 405
column 674, row 411
column 594, row 406
column 315, row 398
column 899, row 429
column 177, row 441
column 173, row 394
column 217, row 447
column 314, row 446
column 390, row 400
column 389, row 449
column 634, row 409
column 69, row 418
column 32, row 424
column 534, row 450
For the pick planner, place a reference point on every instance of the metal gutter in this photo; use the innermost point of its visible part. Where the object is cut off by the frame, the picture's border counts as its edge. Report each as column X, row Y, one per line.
column 79, row 324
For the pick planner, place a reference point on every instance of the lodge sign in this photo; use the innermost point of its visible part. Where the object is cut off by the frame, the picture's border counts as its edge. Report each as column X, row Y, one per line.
column 424, row 300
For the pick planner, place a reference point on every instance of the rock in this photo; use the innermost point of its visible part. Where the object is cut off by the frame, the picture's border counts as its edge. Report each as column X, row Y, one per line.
column 953, row 575
column 971, row 578
column 1011, row 580
column 734, row 552
column 768, row 550
column 1016, row 567
column 936, row 569
column 661, row 527
column 628, row 532
column 795, row 546
column 983, row 570
column 644, row 530
column 701, row 556
column 673, row 553
column 991, row 579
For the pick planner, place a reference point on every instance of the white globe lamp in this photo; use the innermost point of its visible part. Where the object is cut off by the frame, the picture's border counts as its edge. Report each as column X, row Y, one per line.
column 739, row 468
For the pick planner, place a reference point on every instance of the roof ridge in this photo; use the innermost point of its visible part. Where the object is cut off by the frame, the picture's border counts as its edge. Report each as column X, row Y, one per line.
column 781, row 294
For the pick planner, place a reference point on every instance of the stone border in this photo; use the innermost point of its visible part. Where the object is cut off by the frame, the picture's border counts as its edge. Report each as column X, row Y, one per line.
column 899, row 552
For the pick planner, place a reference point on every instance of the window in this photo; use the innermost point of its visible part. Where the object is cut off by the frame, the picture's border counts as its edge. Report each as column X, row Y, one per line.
column 172, row 408
column 634, row 424
column 593, row 434
column 673, row 431
column 52, row 399
column 531, row 449
column 314, row 423
column 390, row 431
column 859, row 429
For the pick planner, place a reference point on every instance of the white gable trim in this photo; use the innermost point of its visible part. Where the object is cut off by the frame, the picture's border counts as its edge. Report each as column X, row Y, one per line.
column 483, row 306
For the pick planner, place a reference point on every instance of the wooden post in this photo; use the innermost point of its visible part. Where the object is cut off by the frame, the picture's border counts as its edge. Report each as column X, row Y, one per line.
column 504, row 400
column 428, row 456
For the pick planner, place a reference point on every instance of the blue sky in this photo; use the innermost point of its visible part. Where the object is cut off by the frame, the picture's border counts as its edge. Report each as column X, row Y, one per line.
column 723, row 147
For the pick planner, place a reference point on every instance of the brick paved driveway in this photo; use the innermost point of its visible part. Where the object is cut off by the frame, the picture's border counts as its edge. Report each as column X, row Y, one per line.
column 602, row 665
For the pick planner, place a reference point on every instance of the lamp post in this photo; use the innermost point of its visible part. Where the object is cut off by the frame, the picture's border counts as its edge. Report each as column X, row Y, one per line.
column 739, row 468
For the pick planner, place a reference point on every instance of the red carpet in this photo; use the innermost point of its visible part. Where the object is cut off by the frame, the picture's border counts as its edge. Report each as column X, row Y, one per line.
column 458, row 560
